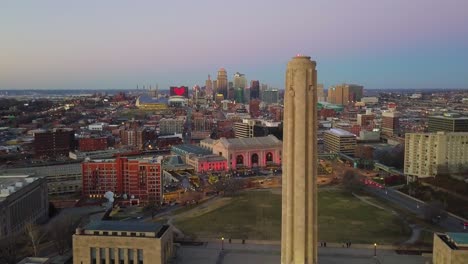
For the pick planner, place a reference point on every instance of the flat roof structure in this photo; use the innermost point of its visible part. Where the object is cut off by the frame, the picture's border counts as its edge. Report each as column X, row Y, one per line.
column 340, row 132
column 123, row 226
column 12, row 183
column 240, row 143
column 190, row 149
column 460, row 239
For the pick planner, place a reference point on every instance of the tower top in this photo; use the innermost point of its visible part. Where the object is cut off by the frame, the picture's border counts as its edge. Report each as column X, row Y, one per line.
column 300, row 56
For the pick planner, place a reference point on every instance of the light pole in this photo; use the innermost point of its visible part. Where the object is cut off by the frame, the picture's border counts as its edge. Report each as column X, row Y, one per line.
column 222, row 243
column 375, row 249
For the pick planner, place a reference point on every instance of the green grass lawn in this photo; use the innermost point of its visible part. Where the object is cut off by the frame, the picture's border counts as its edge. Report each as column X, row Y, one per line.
column 257, row 215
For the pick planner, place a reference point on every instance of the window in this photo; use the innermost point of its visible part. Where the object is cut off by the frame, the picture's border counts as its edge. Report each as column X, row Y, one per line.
column 93, row 255
column 121, row 256
column 140, row 256
column 131, row 257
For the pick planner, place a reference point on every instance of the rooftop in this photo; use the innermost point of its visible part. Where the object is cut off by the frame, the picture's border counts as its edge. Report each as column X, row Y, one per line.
column 12, row 183
column 449, row 116
column 191, row 149
column 126, row 226
column 460, row 239
column 267, row 141
column 341, row 132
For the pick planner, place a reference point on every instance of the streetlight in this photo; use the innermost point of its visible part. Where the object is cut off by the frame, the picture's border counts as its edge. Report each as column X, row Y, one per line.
column 222, row 243
column 375, row 249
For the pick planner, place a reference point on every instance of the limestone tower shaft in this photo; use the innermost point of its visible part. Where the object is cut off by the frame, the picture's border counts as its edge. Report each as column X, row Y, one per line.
column 299, row 194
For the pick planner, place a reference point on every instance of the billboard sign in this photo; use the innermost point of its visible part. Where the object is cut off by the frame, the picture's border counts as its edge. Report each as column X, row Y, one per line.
column 179, row 91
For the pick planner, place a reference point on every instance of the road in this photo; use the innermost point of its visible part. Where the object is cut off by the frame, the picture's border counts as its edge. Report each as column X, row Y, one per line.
column 450, row 224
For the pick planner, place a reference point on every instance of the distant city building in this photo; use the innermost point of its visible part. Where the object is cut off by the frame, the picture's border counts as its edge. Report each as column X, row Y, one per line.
column 219, row 98
column 254, row 89
column 254, row 107
column 345, row 94
column 239, row 80
column 339, row 141
column 149, row 103
column 244, row 129
column 320, row 93
column 123, row 242
column 239, row 96
column 450, row 248
column 98, row 126
column 209, row 87
column 249, row 152
column 425, row 153
column 448, row 123
column 58, row 142
column 391, row 123
column 138, row 179
column 366, row 120
column 222, row 82
column 137, row 137
column 168, row 126
column 92, row 144
column 370, row 100
column 23, row 200
column 270, row 96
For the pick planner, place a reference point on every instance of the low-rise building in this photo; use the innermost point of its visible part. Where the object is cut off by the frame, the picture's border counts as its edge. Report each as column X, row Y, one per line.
column 98, row 126
column 92, row 144
column 23, row 200
column 450, row 248
column 123, row 242
column 339, row 141
column 207, row 163
column 249, row 152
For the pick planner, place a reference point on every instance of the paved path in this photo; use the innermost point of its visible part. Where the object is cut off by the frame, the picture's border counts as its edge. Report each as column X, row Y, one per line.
column 216, row 253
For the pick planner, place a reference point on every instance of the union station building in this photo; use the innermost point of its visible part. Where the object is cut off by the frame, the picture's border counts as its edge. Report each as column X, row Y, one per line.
column 247, row 152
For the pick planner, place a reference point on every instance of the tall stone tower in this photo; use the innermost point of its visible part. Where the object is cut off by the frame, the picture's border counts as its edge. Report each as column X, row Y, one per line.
column 299, row 200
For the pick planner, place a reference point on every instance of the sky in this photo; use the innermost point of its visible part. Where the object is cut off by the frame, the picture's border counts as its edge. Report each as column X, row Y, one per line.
column 118, row 44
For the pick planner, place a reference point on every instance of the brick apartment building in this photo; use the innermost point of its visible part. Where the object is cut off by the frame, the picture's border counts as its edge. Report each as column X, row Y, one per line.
column 140, row 180
column 57, row 142
column 92, row 144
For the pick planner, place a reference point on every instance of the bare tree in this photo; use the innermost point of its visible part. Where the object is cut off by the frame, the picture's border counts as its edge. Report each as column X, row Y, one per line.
column 152, row 206
column 35, row 235
column 60, row 231
column 351, row 181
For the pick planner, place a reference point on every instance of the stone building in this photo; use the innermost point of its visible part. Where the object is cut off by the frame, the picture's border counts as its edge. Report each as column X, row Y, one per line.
column 450, row 248
column 249, row 152
column 123, row 242
column 23, row 200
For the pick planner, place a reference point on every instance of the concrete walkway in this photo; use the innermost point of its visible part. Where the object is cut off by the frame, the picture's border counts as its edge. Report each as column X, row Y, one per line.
column 218, row 253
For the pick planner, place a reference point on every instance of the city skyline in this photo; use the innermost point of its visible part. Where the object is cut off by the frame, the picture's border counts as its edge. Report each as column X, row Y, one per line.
column 87, row 45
